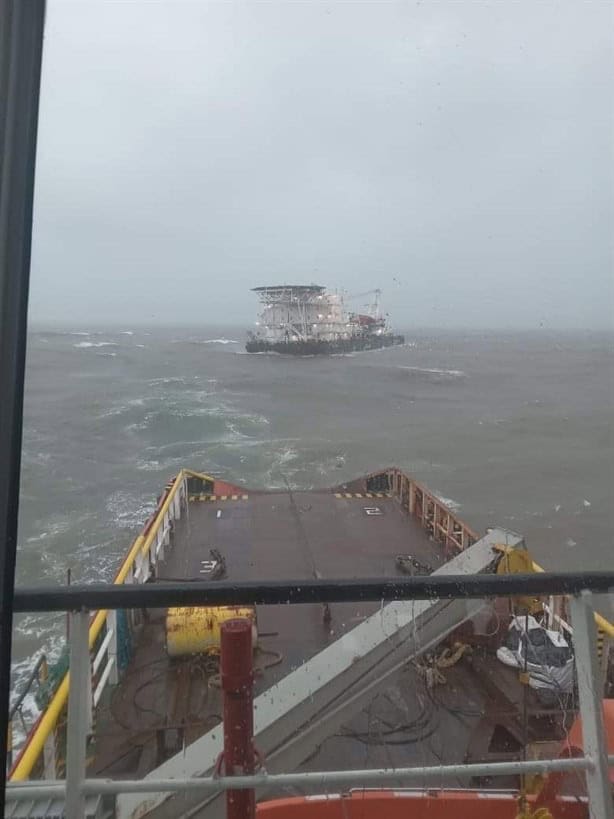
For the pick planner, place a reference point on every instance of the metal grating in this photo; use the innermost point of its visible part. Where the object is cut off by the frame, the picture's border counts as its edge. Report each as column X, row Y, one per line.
column 45, row 808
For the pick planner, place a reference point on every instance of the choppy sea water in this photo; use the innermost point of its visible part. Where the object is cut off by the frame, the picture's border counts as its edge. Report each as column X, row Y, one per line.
column 511, row 429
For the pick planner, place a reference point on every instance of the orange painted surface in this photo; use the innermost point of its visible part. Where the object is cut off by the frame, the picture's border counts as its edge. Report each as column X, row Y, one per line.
column 574, row 740
column 574, row 783
column 410, row 805
column 224, row 488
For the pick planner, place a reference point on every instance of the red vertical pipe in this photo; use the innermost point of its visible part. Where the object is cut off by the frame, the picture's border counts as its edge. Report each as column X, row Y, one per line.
column 237, row 675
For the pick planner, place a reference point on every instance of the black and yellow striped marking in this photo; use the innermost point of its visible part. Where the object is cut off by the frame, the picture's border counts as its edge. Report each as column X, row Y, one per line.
column 217, row 498
column 362, row 496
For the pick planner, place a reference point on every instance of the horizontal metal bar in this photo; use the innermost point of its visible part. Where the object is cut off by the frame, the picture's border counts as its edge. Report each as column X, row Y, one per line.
column 195, row 593
column 325, row 778
column 318, row 779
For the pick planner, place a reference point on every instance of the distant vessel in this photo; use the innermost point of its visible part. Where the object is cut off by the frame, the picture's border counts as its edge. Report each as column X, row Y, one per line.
column 307, row 319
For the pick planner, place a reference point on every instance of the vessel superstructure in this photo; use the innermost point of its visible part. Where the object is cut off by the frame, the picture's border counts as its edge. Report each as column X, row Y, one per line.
column 308, row 319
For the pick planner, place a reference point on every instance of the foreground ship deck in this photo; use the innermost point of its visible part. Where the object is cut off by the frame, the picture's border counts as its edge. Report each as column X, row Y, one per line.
column 448, row 702
column 273, row 535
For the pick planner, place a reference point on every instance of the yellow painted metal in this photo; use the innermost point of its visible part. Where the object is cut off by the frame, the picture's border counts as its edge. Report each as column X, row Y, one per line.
column 159, row 519
column 47, row 723
column 518, row 561
column 450, row 656
column 601, row 622
column 129, row 561
column 58, row 702
column 191, row 473
column 50, row 716
column 525, row 812
column 198, row 630
column 514, row 561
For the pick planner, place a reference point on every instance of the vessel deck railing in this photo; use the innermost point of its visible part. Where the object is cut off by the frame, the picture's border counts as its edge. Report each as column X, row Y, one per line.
column 111, row 608
column 80, row 600
column 146, row 551
column 152, row 545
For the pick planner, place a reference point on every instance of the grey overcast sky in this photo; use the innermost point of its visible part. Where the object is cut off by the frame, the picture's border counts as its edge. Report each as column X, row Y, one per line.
column 457, row 154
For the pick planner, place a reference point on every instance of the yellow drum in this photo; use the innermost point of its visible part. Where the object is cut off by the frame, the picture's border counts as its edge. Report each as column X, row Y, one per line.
column 198, row 630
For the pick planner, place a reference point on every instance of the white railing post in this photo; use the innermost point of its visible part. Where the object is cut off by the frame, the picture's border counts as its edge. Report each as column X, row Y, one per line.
column 550, row 622
column 79, row 711
column 591, row 706
column 159, row 547
column 141, row 567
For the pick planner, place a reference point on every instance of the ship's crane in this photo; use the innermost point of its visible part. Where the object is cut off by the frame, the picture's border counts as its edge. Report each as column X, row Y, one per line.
column 376, row 290
column 374, row 307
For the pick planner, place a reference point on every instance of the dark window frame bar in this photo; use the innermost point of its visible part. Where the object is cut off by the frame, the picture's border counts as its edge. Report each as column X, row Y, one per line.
column 162, row 594
column 21, row 46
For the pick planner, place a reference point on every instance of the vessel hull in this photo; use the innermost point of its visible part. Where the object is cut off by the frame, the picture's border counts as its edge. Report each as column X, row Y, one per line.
column 319, row 347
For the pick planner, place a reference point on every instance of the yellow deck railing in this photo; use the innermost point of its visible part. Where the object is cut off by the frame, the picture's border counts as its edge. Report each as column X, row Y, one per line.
column 31, row 752
column 48, row 720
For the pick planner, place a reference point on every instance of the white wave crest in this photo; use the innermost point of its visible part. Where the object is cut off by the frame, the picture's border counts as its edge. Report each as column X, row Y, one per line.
column 205, row 341
column 433, row 371
column 84, row 344
column 451, row 504
column 127, row 510
column 170, row 380
column 263, row 352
